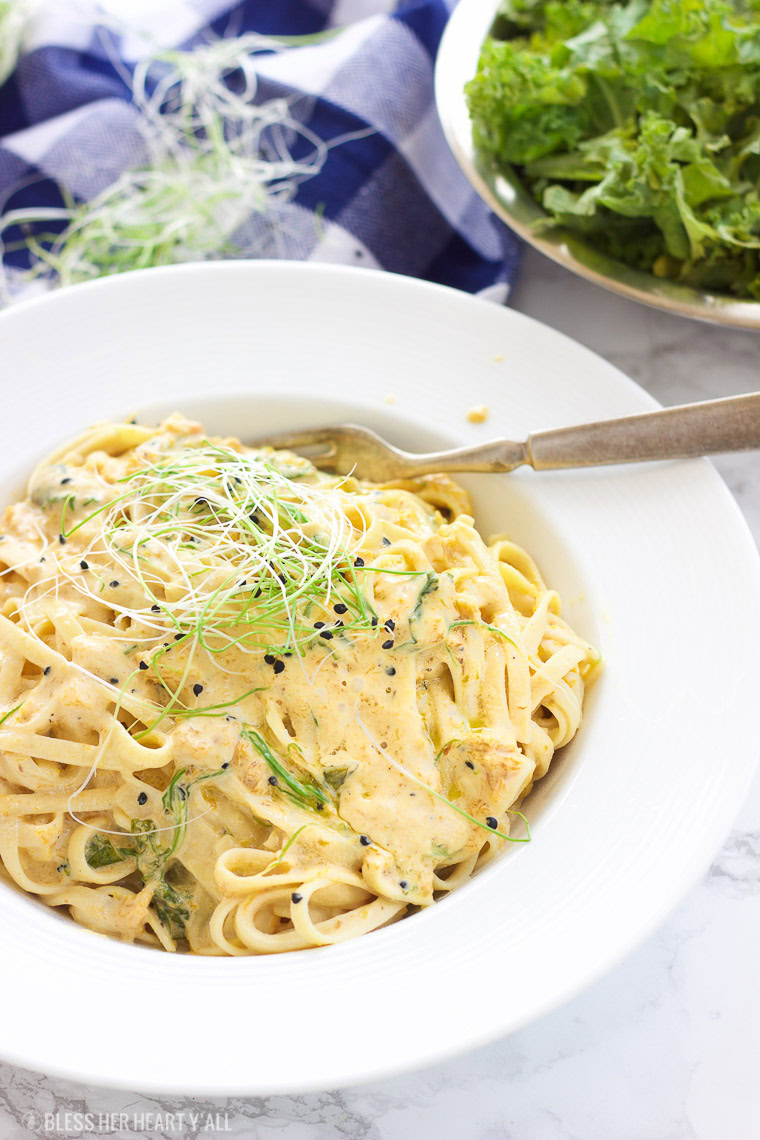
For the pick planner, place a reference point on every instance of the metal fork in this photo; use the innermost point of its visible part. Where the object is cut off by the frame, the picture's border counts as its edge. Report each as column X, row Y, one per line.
column 707, row 428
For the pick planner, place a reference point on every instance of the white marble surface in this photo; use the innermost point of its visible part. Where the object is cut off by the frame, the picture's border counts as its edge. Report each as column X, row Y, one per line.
column 664, row 1048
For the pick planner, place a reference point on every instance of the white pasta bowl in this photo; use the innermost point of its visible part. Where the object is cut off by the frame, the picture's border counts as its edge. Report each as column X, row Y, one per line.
column 654, row 564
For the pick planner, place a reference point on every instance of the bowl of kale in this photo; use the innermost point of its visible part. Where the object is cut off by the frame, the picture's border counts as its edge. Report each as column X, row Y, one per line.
column 622, row 139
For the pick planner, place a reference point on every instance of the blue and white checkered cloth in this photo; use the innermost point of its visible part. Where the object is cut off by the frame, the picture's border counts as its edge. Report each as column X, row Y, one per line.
column 393, row 199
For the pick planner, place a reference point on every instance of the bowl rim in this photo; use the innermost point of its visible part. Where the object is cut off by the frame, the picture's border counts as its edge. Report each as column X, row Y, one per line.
column 504, row 193
column 175, row 293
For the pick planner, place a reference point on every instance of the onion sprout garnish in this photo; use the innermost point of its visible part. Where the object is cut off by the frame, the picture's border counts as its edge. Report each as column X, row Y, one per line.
column 534, row 663
column 9, row 714
column 229, row 552
column 175, row 800
column 178, row 711
column 305, row 795
column 285, row 848
column 439, row 795
column 486, row 625
column 185, row 713
column 216, row 171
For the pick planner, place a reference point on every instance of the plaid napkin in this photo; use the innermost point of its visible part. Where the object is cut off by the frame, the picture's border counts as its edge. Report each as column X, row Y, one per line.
column 391, row 197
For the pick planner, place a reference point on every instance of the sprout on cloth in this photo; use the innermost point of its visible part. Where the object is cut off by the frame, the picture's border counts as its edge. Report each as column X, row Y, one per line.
column 217, row 166
column 14, row 15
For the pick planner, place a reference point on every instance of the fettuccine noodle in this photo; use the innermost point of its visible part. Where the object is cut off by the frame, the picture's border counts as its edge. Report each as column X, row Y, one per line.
column 247, row 707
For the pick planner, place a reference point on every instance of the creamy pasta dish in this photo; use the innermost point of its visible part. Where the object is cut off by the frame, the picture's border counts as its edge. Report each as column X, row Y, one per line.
column 248, row 707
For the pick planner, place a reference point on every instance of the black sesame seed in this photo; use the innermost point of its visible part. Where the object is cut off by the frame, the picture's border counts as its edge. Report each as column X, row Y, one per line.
column 386, row 541
column 156, row 609
column 326, row 634
column 373, row 623
column 391, row 671
column 178, row 636
column 143, row 665
column 279, row 666
column 46, row 670
column 365, row 840
column 257, row 592
column 114, row 583
column 469, row 764
column 296, row 897
column 241, row 583
column 403, row 884
column 62, row 540
column 269, row 658
column 492, row 821
column 358, row 562
column 84, row 565
column 65, row 481
column 226, row 764
column 142, row 798
column 273, row 781
column 114, row 680
column 43, row 559
column 198, row 689
column 320, row 807
column 390, row 625
column 340, row 608
column 319, row 625
column 388, row 644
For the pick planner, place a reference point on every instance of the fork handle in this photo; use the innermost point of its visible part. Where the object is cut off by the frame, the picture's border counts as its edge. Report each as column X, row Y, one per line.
column 685, row 432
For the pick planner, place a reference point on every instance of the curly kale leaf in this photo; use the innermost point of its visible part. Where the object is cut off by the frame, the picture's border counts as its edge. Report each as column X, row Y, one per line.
column 635, row 125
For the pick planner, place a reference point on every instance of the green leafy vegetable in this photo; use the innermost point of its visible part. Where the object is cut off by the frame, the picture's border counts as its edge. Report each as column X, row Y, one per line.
column 478, row 822
column 153, row 847
column 335, row 777
column 172, row 907
column 100, row 852
column 636, row 126
column 429, row 587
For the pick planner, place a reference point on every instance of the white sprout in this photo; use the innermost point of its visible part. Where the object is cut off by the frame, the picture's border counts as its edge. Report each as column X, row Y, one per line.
column 218, row 169
column 228, row 550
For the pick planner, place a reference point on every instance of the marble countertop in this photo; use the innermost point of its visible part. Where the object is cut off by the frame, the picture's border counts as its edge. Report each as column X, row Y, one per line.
column 666, row 1046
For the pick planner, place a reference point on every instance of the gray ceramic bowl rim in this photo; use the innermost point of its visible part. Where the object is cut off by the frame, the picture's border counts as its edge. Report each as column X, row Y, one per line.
column 506, row 196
